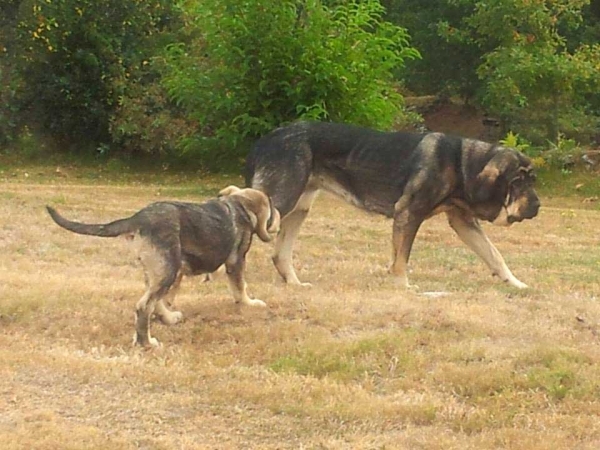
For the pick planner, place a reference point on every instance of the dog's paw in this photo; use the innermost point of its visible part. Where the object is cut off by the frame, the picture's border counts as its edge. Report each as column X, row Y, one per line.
column 298, row 283
column 403, row 283
column 172, row 318
column 176, row 317
column 152, row 342
column 256, row 302
column 513, row 281
column 518, row 284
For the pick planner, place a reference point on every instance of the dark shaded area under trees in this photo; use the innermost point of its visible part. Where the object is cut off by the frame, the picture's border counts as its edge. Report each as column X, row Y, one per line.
column 199, row 80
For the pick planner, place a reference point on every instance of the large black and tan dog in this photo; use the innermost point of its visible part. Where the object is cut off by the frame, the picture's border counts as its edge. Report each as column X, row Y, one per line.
column 409, row 177
column 173, row 239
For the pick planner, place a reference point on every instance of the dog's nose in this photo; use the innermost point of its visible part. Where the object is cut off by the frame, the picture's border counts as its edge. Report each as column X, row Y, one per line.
column 533, row 208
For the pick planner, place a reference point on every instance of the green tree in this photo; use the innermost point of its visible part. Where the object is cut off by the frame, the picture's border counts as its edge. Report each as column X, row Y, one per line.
column 252, row 65
column 532, row 81
column 77, row 59
column 534, row 64
column 9, row 78
column 450, row 54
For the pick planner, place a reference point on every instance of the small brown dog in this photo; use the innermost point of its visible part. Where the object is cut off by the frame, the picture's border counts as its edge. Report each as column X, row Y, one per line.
column 174, row 239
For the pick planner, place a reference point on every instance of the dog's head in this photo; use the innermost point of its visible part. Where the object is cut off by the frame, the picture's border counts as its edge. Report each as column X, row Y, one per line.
column 265, row 217
column 503, row 192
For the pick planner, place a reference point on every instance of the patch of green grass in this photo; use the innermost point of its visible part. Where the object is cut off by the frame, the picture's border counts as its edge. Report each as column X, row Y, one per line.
column 558, row 372
column 59, row 200
column 578, row 183
column 66, row 168
column 319, row 365
column 556, row 382
column 8, row 195
column 400, row 353
column 554, row 372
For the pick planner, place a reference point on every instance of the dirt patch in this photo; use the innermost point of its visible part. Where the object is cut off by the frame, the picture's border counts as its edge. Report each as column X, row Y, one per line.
column 461, row 120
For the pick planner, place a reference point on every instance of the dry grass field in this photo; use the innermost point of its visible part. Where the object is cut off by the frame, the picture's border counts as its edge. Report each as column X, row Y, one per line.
column 350, row 363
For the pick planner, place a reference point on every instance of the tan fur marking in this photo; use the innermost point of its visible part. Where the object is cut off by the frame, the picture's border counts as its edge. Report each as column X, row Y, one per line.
column 256, row 203
column 470, row 232
column 517, row 206
column 284, row 244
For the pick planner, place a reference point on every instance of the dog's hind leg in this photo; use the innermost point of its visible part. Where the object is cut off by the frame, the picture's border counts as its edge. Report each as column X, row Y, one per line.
column 289, row 229
column 162, row 311
column 143, row 310
column 470, row 232
column 161, row 266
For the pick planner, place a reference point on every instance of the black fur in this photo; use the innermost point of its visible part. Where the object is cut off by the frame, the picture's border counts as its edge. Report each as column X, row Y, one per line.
column 177, row 239
column 405, row 176
column 205, row 232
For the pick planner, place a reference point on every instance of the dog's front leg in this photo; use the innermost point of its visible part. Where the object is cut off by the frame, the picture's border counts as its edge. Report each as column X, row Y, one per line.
column 470, row 232
column 403, row 237
column 237, row 283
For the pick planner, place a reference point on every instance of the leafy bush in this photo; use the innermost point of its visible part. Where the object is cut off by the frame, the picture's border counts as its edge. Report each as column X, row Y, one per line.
column 450, row 53
column 10, row 81
column 76, row 58
column 252, row 65
column 532, row 81
column 515, row 141
column 146, row 122
column 533, row 64
column 563, row 153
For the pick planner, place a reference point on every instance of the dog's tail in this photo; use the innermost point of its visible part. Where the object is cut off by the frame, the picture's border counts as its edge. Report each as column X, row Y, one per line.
column 112, row 229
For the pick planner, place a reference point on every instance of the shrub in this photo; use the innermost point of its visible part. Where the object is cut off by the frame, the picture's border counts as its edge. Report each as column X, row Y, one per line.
column 76, row 58
column 252, row 65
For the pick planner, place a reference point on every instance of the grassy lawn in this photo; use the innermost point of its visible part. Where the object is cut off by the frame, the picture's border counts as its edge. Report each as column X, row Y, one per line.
column 353, row 362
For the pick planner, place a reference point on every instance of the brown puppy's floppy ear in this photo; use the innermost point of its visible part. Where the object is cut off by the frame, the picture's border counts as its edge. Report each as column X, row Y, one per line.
column 492, row 182
column 264, row 215
column 275, row 219
column 258, row 205
column 228, row 191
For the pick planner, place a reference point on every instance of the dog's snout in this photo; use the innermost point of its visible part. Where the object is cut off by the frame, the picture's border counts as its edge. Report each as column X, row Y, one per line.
column 533, row 209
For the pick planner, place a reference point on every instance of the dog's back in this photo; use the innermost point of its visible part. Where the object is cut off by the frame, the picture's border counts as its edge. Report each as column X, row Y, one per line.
column 368, row 168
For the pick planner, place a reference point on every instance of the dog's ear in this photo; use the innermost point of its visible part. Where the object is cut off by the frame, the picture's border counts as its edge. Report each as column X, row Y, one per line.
column 267, row 217
column 229, row 190
column 491, row 183
column 258, row 204
column 274, row 222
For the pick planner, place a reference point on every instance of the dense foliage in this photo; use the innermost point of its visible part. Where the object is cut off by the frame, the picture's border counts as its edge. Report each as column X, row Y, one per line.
column 201, row 78
column 258, row 64
column 533, row 64
column 73, row 62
